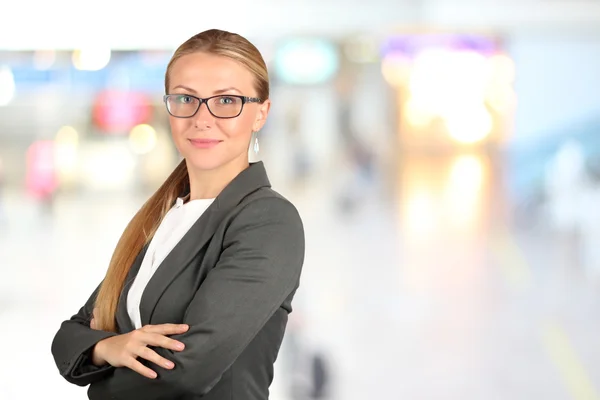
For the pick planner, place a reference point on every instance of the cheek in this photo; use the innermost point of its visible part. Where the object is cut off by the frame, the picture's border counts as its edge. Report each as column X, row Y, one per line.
column 236, row 128
column 179, row 125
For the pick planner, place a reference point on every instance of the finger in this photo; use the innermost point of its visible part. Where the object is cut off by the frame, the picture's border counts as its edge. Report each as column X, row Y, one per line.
column 93, row 323
column 158, row 340
column 138, row 367
column 166, row 329
column 151, row 355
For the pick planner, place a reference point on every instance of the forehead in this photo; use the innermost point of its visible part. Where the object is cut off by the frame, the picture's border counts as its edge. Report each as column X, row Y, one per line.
column 206, row 73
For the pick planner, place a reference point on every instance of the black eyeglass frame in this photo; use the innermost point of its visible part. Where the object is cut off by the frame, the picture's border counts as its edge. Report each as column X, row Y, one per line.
column 244, row 99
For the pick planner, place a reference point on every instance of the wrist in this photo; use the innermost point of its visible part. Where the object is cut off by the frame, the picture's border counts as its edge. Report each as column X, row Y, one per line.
column 97, row 352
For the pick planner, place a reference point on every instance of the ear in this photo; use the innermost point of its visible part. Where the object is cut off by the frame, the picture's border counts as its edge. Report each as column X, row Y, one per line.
column 261, row 115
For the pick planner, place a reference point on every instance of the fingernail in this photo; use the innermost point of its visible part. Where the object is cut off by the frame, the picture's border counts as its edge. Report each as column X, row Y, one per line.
column 169, row 364
column 180, row 346
column 153, row 374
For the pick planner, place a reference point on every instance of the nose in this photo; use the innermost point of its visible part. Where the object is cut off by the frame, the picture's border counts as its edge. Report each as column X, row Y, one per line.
column 203, row 117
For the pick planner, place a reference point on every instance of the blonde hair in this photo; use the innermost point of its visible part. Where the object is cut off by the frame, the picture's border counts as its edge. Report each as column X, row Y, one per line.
column 143, row 225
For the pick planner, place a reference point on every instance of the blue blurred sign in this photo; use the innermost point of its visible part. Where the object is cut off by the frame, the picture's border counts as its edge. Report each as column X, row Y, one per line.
column 32, row 76
column 131, row 70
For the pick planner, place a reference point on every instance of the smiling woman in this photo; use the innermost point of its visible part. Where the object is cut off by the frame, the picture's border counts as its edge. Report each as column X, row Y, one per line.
column 197, row 294
column 226, row 87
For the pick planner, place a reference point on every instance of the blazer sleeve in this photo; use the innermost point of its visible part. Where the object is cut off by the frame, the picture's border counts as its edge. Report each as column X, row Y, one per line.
column 259, row 268
column 73, row 344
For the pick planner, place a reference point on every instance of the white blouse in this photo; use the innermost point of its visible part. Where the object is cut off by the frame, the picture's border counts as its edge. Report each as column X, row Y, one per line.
column 173, row 227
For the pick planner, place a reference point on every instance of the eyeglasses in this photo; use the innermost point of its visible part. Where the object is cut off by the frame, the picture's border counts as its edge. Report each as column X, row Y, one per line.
column 222, row 106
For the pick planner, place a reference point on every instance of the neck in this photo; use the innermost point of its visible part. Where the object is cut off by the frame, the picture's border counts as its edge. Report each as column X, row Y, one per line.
column 207, row 184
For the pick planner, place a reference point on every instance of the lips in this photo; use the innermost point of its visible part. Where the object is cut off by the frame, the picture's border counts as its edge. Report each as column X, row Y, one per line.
column 204, row 143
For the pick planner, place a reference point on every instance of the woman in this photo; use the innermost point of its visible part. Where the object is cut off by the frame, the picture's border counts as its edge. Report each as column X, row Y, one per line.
column 197, row 294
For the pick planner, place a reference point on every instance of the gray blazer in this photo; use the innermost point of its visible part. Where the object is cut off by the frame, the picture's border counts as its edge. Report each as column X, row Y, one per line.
column 232, row 278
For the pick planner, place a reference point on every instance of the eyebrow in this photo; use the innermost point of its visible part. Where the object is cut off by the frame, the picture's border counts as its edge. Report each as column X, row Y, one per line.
column 228, row 89
column 185, row 88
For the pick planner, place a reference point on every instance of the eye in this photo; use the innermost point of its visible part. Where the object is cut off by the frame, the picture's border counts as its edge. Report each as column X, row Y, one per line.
column 185, row 99
column 226, row 100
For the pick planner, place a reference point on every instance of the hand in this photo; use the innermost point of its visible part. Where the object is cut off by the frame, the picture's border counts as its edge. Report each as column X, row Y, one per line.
column 123, row 350
column 93, row 321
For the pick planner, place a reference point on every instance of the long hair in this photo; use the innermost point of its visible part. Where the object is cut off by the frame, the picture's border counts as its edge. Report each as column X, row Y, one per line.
column 145, row 222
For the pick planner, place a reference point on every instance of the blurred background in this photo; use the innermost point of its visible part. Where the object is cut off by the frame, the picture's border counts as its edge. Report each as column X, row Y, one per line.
column 445, row 157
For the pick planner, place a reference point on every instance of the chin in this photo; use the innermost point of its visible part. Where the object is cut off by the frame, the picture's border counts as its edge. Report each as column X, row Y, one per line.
column 205, row 163
column 208, row 162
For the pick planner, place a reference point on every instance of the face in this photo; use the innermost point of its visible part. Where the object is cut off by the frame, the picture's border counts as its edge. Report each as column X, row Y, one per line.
column 208, row 142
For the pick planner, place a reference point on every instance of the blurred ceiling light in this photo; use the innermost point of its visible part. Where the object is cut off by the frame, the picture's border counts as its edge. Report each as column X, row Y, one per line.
column 107, row 166
column 91, row 59
column 443, row 78
column 466, row 174
column 66, row 141
column 454, row 85
column 416, row 114
column 502, row 69
column 142, row 139
column 469, row 124
column 502, row 99
column 394, row 69
column 7, row 85
column 67, row 135
column 158, row 164
column 44, row 59
column 470, row 64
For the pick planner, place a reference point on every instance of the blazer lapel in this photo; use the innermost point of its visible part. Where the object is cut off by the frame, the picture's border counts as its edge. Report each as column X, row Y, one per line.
column 123, row 320
column 248, row 181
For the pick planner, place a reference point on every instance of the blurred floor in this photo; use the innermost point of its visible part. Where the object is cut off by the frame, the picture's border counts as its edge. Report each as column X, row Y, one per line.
column 430, row 294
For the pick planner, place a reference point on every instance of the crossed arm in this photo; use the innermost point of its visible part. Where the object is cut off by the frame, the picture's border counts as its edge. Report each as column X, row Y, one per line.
column 258, row 269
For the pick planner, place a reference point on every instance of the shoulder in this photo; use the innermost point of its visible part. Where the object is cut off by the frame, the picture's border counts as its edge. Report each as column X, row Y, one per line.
column 266, row 208
column 268, row 221
column 269, row 203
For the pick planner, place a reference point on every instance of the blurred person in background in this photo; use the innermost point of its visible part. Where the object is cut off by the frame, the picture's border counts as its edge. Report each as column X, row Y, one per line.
column 196, row 298
column 308, row 365
column 300, row 157
column 358, row 171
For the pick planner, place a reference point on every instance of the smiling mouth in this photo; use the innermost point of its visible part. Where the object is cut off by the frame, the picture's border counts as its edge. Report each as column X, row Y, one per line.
column 204, row 143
